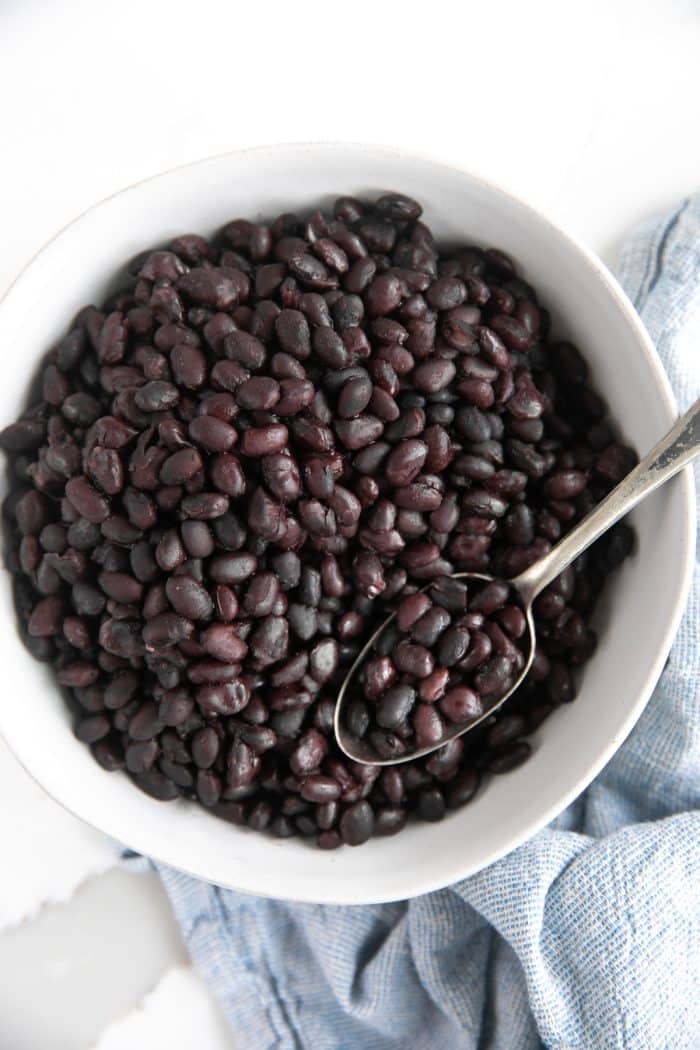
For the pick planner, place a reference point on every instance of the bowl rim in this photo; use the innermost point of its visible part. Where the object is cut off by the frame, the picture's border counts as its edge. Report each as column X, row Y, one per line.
column 456, row 871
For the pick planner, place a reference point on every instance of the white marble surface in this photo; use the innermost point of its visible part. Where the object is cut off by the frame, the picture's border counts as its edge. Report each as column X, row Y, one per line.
column 588, row 110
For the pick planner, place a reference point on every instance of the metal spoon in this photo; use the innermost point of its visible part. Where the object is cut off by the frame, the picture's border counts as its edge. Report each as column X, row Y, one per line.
column 679, row 446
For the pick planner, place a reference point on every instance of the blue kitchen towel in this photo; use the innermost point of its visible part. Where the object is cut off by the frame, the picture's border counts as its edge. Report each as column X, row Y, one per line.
column 588, row 936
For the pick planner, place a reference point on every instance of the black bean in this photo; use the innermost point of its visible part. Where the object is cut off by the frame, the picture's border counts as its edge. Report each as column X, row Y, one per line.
column 526, row 458
column 559, row 684
column 493, row 678
column 347, row 311
column 157, row 785
column 223, row 698
column 472, row 424
column 47, row 617
column 446, row 293
column 121, row 587
column 144, row 724
column 395, row 706
column 263, row 441
column 166, row 629
column 205, row 747
column 430, row 626
column 357, row 823
column 189, row 598
column 23, row 436
column 261, row 594
column 310, row 271
column 509, row 757
column 450, row 594
column 92, row 728
column 461, row 704
column 205, row 506
column 431, row 804
column 368, row 575
column 308, row 755
column 180, row 466
column 259, row 392
column 389, row 820
column 397, row 208
column 424, row 493
column 87, row 600
column 323, row 660
column 359, row 432
column 484, row 504
column 383, row 295
column 453, row 646
column 360, row 275
column 269, row 643
column 357, row 718
column 463, row 788
column 434, row 375
column 81, row 409
column 87, row 500
column 413, row 659
column 428, row 725
column 175, row 707
column 354, row 396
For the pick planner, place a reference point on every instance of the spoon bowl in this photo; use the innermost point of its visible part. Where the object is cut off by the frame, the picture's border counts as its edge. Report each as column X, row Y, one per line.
column 361, row 751
column 673, row 452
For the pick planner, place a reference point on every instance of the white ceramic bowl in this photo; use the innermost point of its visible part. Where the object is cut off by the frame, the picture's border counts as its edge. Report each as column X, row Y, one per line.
column 647, row 595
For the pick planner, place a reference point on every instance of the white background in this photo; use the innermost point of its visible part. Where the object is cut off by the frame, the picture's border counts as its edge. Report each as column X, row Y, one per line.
column 588, row 110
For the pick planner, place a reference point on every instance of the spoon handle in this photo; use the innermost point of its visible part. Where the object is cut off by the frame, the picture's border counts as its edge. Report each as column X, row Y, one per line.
column 675, row 450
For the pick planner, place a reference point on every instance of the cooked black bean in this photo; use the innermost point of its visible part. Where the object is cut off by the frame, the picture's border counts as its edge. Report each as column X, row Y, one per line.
column 205, row 506
column 510, row 757
column 87, row 500
column 434, row 375
column 431, row 804
column 424, row 493
column 180, row 466
column 46, row 617
column 156, row 396
column 453, row 646
column 261, row 595
column 189, row 598
column 80, row 409
column 395, row 706
column 428, row 725
column 430, row 626
column 239, row 467
column 144, row 724
column 166, row 629
column 308, row 754
column 450, row 594
column 414, row 660
column 354, row 397
column 396, row 207
column 461, row 704
column 446, row 293
column 357, row 823
column 359, row 432
column 93, row 728
column 121, row 587
column 205, row 747
column 223, row 698
column 358, row 718
column 493, row 677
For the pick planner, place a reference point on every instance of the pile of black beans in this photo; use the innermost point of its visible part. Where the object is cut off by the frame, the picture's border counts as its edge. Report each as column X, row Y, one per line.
column 452, row 651
column 259, row 446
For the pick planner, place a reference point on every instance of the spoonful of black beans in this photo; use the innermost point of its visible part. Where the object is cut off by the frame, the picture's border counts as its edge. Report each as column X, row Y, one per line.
column 452, row 653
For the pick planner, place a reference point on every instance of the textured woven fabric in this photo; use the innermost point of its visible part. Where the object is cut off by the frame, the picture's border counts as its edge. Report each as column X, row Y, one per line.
column 588, row 936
